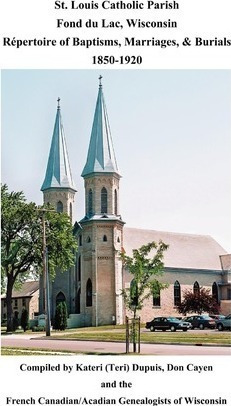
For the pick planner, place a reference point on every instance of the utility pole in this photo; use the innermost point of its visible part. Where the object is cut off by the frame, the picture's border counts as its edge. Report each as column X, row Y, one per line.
column 46, row 298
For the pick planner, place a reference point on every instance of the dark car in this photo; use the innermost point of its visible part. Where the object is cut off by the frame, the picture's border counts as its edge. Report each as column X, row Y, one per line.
column 201, row 322
column 167, row 323
column 224, row 324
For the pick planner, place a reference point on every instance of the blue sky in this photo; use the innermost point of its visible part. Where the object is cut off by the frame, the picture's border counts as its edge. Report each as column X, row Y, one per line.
column 171, row 132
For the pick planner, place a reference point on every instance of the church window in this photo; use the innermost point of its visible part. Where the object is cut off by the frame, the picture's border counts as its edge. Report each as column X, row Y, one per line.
column 77, row 302
column 177, row 294
column 228, row 294
column 118, row 239
column 104, row 238
column 79, row 268
column 23, row 301
column 156, row 296
column 134, row 293
column 59, row 207
column 89, row 293
column 80, row 240
column 90, row 202
column 115, row 202
column 88, row 239
column 60, row 298
column 104, row 200
column 196, row 289
column 71, row 211
column 215, row 291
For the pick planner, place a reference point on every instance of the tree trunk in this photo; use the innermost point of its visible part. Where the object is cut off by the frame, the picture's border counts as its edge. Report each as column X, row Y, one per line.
column 10, row 284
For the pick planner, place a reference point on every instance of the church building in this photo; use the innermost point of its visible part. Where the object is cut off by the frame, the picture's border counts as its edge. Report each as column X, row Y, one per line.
column 92, row 289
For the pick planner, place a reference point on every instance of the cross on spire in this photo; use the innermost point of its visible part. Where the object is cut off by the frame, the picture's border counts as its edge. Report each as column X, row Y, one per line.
column 100, row 82
column 58, row 100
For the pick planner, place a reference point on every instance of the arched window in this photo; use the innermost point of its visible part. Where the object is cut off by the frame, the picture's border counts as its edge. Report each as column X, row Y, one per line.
column 156, row 296
column 79, row 268
column 215, row 291
column 104, row 238
column 115, row 202
column 59, row 207
column 80, row 240
column 60, row 298
column 90, row 202
column 104, row 200
column 134, row 292
column 118, row 239
column 196, row 289
column 177, row 294
column 88, row 239
column 70, row 211
column 89, row 293
column 77, row 302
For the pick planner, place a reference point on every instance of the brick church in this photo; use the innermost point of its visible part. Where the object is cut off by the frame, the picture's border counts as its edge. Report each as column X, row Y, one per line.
column 92, row 289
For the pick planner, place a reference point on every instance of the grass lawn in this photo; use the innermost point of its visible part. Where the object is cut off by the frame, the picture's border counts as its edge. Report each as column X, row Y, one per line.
column 31, row 351
column 118, row 334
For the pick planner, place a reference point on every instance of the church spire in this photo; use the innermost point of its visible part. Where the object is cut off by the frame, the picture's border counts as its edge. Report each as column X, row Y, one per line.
column 101, row 156
column 58, row 173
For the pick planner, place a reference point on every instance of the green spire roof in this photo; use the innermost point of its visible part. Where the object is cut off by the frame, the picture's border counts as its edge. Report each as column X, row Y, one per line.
column 58, row 173
column 101, row 155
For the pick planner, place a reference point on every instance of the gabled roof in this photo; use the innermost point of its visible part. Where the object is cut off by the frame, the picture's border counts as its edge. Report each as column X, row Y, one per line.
column 186, row 251
column 58, row 173
column 101, row 155
column 26, row 290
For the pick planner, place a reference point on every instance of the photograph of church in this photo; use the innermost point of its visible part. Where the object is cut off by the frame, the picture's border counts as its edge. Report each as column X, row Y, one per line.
column 92, row 288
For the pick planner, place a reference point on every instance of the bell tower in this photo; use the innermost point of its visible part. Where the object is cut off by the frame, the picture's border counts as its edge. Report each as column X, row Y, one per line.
column 59, row 190
column 101, row 230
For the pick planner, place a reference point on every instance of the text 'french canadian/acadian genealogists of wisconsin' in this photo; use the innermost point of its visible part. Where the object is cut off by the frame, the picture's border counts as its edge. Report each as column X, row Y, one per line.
column 112, row 388
column 118, row 31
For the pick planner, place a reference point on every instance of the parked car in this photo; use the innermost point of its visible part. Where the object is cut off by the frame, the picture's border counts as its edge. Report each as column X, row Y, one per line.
column 224, row 324
column 167, row 323
column 216, row 316
column 200, row 322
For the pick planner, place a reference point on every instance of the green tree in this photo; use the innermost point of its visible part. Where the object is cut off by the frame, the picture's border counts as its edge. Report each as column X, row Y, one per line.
column 22, row 249
column 24, row 319
column 60, row 322
column 198, row 302
column 144, row 271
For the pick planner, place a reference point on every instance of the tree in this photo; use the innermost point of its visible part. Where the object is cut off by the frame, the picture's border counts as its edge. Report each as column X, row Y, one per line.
column 60, row 322
column 198, row 302
column 22, row 248
column 24, row 319
column 143, row 270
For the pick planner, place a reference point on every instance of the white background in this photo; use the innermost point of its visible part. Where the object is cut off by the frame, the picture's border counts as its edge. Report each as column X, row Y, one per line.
column 30, row 18
column 172, row 385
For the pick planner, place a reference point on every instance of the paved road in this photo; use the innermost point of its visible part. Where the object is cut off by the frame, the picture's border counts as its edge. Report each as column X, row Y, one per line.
column 26, row 341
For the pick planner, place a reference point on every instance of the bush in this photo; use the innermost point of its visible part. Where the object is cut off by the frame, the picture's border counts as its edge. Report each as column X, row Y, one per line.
column 38, row 328
column 15, row 323
column 60, row 322
column 24, row 319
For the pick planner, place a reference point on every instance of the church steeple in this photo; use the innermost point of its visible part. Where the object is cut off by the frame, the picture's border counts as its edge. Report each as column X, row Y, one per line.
column 58, row 187
column 58, row 173
column 101, row 156
column 101, row 174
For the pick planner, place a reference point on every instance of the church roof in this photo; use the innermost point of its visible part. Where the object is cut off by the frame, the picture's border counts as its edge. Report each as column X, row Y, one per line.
column 101, row 156
column 187, row 251
column 58, row 173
